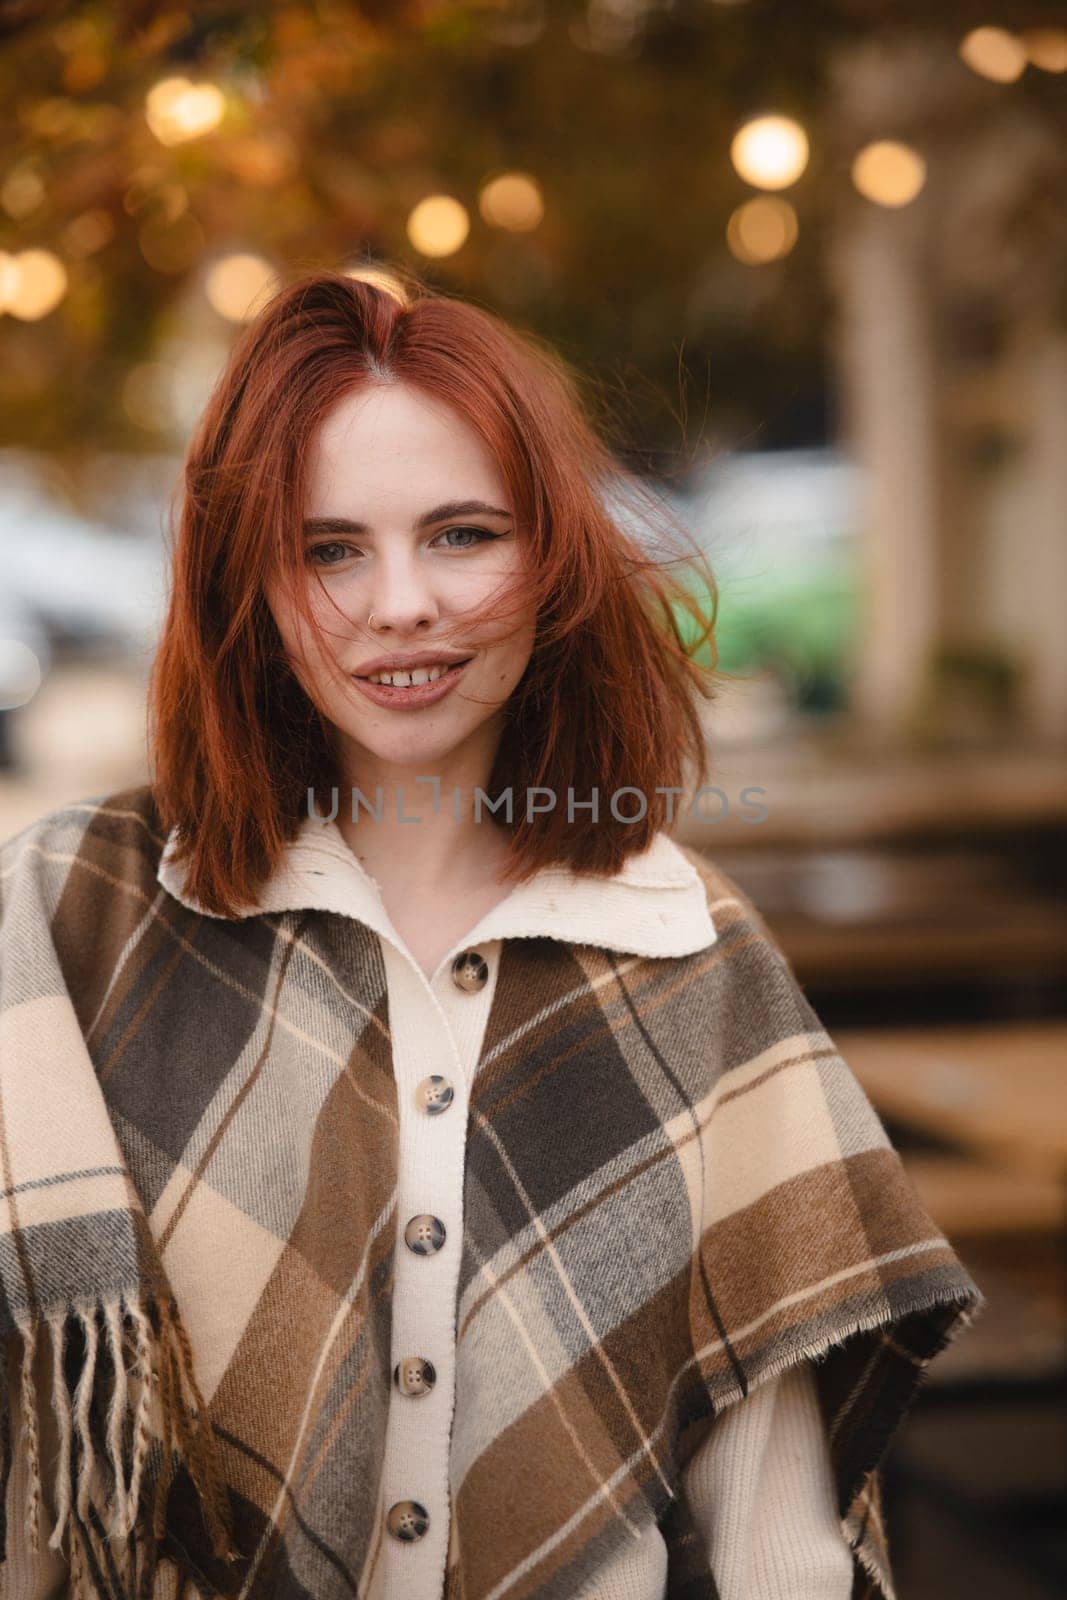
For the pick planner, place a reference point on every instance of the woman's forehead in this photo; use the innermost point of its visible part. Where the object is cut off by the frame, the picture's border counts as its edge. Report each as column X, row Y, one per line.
column 405, row 458
column 389, row 415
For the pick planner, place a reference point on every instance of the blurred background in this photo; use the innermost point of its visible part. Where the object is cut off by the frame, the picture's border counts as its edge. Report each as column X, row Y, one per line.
column 811, row 263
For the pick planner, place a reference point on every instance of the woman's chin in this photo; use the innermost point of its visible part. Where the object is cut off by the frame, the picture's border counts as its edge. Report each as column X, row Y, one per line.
column 425, row 755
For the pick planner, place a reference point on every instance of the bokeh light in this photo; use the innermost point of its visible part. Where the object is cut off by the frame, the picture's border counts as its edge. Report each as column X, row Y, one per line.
column 889, row 173
column 177, row 110
column 32, row 283
column 171, row 245
column 52, row 118
column 512, row 200
column 1046, row 48
column 88, row 232
column 239, row 285
column 770, row 152
column 994, row 53
column 438, row 225
column 21, row 191
column 762, row 230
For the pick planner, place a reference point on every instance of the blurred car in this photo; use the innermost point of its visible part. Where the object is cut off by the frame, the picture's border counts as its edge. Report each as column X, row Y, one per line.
column 25, row 657
column 69, row 586
column 81, row 582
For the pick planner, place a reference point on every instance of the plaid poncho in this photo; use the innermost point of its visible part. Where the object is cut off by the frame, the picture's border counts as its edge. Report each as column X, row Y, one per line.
column 765, row 1216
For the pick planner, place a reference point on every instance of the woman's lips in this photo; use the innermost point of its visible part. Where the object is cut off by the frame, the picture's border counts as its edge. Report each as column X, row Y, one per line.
column 415, row 697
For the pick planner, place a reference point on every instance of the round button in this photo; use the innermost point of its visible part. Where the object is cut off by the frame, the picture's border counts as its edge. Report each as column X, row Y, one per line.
column 424, row 1234
column 434, row 1094
column 470, row 971
column 414, row 1376
column 407, row 1520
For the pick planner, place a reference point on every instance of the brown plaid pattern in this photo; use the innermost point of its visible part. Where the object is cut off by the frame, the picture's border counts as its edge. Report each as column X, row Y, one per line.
column 674, row 1189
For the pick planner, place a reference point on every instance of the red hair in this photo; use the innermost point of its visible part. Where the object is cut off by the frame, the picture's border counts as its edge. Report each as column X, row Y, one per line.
column 608, row 699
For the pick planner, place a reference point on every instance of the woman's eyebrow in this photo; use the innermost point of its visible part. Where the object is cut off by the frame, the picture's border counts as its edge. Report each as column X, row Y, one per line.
column 442, row 513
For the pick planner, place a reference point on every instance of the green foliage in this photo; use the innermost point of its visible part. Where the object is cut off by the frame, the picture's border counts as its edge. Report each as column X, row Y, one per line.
column 799, row 618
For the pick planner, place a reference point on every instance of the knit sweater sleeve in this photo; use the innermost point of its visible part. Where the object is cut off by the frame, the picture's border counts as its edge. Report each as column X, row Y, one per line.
column 761, row 1491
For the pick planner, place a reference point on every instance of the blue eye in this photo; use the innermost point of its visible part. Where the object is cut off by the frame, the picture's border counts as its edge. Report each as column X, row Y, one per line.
column 484, row 535
column 315, row 552
column 475, row 537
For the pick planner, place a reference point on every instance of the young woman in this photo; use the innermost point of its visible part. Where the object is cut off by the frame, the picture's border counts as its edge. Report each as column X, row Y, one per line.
column 423, row 1178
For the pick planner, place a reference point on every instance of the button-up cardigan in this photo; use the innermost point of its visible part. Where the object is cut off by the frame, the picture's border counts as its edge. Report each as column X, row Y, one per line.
column 760, row 1485
column 664, row 1192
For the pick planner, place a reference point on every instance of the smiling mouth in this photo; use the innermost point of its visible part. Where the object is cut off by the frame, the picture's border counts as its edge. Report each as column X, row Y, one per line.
column 414, row 678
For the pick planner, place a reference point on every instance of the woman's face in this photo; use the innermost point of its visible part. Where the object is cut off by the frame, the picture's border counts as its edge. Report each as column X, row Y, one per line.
column 407, row 520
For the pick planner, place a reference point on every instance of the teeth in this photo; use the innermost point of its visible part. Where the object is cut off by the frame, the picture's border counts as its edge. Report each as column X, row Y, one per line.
column 405, row 680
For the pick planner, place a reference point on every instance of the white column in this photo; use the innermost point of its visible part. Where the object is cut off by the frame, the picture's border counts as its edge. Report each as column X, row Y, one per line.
column 1045, row 549
column 889, row 423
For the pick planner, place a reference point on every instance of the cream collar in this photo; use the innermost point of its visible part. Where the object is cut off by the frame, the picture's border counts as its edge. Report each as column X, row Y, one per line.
column 655, row 906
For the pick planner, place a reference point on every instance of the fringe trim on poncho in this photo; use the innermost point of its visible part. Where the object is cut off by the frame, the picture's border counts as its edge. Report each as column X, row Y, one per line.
column 129, row 1412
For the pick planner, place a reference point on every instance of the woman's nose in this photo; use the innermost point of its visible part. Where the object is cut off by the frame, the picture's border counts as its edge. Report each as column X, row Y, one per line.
column 400, row 597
